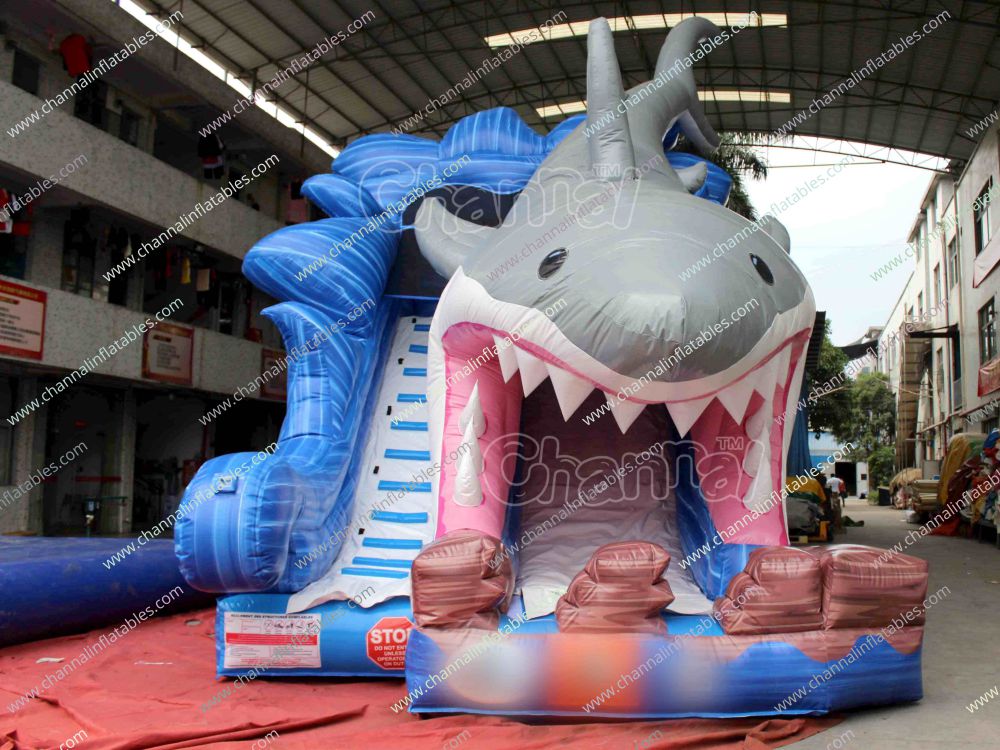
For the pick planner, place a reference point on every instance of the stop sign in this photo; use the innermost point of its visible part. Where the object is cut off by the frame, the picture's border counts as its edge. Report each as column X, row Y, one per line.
column 386, row 642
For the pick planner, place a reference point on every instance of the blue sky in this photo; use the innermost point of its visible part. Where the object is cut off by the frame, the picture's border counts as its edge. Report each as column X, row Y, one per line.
column 844, row 230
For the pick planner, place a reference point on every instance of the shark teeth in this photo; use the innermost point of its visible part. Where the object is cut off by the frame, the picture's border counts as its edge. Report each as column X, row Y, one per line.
column 468, row 488
column 533, row 370
column 736, row 398
column 571, row 391
column 624, row 412
column 758, row 421
column 686, row 413
column 507, row 355
column 752, row 459
column 472, row 414
column 470, row 444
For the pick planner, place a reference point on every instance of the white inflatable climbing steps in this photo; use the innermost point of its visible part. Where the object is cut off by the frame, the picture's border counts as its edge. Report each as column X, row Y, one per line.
column 394, row 514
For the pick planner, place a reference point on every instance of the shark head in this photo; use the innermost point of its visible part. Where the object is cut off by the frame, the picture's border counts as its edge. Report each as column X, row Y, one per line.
column 607, row 274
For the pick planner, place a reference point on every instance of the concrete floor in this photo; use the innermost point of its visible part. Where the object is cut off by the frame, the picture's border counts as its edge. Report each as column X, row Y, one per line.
column 961, row 654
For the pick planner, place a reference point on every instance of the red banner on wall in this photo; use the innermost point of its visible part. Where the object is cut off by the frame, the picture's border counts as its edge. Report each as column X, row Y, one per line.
column 989, row 377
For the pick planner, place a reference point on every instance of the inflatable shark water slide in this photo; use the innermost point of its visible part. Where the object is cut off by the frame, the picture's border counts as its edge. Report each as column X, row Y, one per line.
column 556, row 486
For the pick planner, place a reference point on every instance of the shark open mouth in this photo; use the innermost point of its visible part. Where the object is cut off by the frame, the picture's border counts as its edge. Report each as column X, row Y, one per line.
column 569, row 434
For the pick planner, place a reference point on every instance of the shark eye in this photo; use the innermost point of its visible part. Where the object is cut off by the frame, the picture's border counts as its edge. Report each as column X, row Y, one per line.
column 552, row 263
column 762, row 269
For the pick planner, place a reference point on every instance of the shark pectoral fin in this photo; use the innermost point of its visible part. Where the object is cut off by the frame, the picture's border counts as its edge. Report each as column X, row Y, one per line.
column 777, row 232
column 445, row 240
column 694, row 176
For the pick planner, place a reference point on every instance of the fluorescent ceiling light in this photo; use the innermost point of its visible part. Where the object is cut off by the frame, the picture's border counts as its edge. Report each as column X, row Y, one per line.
column 744, row 95
column 709, row 95
column 628, row 23
column 566, row 108
column 173, row 37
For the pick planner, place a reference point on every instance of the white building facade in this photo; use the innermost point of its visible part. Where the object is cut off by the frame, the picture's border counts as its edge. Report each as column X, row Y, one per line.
column 939, row 344
column 132, row 138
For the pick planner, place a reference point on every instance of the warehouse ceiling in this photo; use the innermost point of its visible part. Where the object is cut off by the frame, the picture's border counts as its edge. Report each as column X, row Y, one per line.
column 412, row 52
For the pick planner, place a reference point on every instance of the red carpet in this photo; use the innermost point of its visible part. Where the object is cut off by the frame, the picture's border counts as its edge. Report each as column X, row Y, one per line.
column 146, row 691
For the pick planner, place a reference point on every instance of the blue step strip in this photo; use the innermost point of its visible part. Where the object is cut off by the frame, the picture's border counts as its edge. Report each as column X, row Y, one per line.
column 422, row 327
column 381, row 563
column 410, row 426
column 404, row 455
column 375, row 572
column 393, row 517
column 418, row 348
column 411, row 398
column 382, row 543
column 415, row 372
column 387, row 485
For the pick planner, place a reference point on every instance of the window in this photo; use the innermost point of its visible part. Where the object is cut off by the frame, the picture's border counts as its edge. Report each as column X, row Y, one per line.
column 920, row 305
column 920, row 241
column 952, row 263
column 128, row 127
column 937, row 286
column 987, row 333
column 981, row 217
column 26, row 72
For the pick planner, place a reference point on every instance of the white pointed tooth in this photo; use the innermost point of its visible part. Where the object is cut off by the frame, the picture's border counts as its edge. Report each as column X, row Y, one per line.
column 783, row 360
column 571, row 391
column 766, row 377
column 685, row 413
column 752, row 459
column 758, row 496
column 624, row 412
column 470, row 445
column 533, row 370
column 468, row 490
column 757, row 422
column 473, row 413
column 736, row 398
column 508, row 360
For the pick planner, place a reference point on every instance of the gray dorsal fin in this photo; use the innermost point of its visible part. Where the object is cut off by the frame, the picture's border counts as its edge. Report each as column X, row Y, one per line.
column 683, row 104
column 610, row 143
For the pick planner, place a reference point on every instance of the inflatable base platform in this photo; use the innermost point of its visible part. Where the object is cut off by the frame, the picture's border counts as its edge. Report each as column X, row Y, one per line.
column 255, row 637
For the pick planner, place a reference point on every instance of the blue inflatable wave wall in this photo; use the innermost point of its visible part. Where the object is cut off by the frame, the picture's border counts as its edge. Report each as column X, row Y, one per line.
column 245, row 519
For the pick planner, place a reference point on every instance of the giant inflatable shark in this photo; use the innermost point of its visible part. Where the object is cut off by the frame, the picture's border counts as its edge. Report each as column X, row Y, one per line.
column 566, row 468
column 623, row 319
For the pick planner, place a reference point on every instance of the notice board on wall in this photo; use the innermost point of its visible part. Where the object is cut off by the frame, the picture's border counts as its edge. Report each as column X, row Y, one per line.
column 22, row 320
column 168, row 354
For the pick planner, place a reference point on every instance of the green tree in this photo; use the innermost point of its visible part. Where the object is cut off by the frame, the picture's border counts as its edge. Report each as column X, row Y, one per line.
column 880, row 466
column 831, row 410
column 737, row 154
column 871, row 422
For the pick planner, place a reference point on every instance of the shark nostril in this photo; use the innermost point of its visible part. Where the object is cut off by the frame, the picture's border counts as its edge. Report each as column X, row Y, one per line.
column 762, row 269
column 552, row 263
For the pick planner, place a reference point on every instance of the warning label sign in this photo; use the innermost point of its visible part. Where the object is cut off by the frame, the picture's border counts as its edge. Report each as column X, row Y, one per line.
column 271, row 641
column 386, row 642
